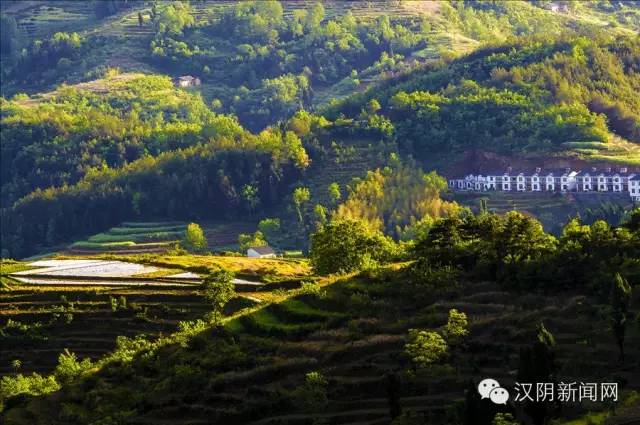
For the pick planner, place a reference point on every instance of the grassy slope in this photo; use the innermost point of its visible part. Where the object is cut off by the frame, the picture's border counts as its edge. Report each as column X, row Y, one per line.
column 353, row 334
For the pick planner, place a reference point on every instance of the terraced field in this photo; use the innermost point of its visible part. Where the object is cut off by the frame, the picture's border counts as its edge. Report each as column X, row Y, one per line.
column 354, row 336
column 350, row 329
column 132, row 237
column 38, row 323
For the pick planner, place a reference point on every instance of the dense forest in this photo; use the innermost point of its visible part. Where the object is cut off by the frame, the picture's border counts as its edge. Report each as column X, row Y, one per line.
column 532, row 96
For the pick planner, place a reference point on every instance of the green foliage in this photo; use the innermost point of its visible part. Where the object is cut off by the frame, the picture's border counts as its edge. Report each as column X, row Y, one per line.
column 425, row 348
column 78, row 132
column 270, row 228
column 247, row 241
column 312, row 395
column 527, row 96
column 457, row 327
column 395, row 200
column 508, row 248
column 34, row 384
column 162, row 192
column 218, row 289
column 194, row 239
column 301, row 196
column 69, row 368
column 172, row 18
column 9, row 40
column 334, row 193
column 345, row 245
column 503, row 419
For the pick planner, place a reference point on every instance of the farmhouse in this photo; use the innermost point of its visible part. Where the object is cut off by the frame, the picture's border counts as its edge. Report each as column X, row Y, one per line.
column 565, row 180
column 261, row 252
column 186, row 81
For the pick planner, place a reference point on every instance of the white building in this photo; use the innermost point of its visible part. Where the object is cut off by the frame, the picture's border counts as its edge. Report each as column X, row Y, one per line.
column 566, row 180
column 549, row 183
column 634, row 187
column 602, row 183
column 616, row 183
column 261, row 252
column 186, row 81
column 506, row 182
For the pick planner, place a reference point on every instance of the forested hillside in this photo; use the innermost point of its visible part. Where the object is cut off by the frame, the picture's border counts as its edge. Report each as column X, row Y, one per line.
column 413, row 90
column 539, row 96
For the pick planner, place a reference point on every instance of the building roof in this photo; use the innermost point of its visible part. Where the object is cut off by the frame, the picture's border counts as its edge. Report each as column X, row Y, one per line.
column 262, row 250
column 555, row 172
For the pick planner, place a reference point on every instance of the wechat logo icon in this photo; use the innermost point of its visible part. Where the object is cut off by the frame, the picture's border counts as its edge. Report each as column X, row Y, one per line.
column 491, row 389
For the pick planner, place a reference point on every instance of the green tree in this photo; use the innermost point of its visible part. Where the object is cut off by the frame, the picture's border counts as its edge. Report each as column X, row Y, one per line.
column 373, row 106
column 334, row 193
column 218, row 289
column 425, row 348
column 313, row 393
column 194, row 239
column 457, row 327
column 248, row 240
column 69, row 368
column 301, row 196
column 16, row 364
column 269, row 227
column 320, row 214
column 250, row 197
column 345, row 245
column 173, row 18
column 620, row 300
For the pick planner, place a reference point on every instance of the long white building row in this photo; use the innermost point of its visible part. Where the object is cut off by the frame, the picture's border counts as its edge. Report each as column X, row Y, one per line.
column 566, row 180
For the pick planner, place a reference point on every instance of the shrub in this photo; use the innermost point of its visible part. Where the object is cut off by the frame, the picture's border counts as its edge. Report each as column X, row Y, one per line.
column 312, row 395
column 425, row 347
column 69, row 368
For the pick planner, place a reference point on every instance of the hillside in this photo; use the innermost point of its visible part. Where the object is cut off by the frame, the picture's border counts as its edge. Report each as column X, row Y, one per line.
column 252, row 68
column 335, row 348
column 540, row 99
column 554, row 100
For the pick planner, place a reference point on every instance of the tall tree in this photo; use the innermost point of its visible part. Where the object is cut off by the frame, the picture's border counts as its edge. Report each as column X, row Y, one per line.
column 194, row 239
column 301, row 196
column 218, row 288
